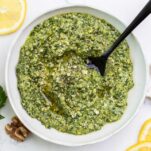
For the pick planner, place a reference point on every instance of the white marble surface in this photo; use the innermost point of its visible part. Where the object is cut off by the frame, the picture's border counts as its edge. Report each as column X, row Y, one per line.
column 125, row 11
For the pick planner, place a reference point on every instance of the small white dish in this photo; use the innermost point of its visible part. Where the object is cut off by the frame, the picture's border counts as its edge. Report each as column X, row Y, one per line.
column 135, row 98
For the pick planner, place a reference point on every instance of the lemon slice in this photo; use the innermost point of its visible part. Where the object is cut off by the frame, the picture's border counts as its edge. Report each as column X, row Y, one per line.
column 145, row 132
column 143, row 146
column 12, row 15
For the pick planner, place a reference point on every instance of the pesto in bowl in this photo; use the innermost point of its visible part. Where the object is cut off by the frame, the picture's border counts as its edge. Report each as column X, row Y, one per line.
column 58, row 88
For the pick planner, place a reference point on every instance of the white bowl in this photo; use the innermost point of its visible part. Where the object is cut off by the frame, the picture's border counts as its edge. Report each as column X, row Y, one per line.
column 135, row 98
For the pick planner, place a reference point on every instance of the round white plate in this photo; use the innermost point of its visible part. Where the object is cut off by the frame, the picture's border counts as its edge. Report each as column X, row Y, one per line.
column 135, row 98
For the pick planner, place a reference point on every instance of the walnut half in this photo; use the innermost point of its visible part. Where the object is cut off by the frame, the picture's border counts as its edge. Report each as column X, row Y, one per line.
column 17, row 130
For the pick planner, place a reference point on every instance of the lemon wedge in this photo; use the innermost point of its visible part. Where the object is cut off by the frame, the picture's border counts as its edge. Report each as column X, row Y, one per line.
column 12, row 15
column 145, row 132
column 143, row 146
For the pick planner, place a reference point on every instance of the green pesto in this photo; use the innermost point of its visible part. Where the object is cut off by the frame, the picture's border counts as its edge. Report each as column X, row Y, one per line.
column 58, row 88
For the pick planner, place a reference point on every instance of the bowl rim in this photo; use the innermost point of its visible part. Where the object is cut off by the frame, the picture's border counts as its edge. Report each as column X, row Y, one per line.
column 60, row 142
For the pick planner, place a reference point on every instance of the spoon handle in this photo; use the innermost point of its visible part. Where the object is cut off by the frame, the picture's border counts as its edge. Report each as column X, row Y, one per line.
column 139, row 18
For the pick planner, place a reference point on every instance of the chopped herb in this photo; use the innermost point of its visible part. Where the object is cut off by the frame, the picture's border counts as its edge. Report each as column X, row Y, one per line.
column 58, row 88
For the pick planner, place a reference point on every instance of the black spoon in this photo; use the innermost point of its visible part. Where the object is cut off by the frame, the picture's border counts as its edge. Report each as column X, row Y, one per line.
column 100, row 62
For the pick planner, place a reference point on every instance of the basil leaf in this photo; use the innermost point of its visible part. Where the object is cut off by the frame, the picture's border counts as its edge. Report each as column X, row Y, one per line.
column 3, row 98
column 1, row 117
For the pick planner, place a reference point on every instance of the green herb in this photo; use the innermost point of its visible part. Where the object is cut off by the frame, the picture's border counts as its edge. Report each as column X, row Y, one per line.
column 3, row 98
column 55, row 84
column 1, row 117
